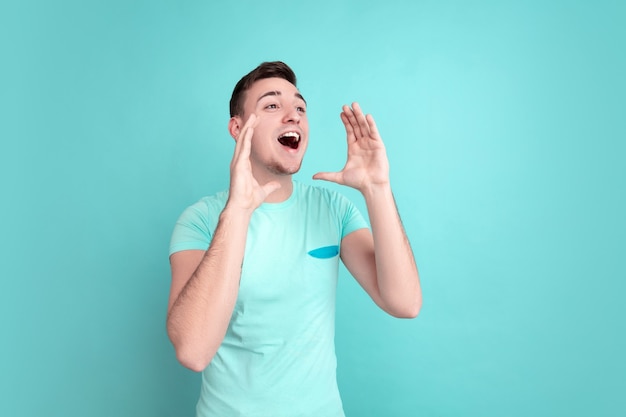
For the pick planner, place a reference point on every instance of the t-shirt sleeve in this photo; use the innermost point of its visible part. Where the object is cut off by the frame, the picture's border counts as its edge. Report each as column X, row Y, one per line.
column 352, row 219
column 192, row 230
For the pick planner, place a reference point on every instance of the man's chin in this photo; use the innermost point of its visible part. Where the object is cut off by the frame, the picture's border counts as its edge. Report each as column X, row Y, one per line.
column 284, row 170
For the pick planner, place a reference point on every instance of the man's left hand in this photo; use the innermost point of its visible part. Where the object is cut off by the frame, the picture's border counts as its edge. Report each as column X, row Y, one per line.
column 367, row 165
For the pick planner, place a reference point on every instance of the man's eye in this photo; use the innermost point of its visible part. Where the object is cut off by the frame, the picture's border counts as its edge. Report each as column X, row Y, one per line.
column 301, row 109
column 271, row 106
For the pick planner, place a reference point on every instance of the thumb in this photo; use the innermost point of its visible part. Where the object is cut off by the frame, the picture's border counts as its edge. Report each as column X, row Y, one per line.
column 270, row 187
column 328, row 176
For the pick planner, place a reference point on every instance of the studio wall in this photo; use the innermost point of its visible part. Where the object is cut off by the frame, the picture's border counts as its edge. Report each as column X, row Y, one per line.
column 503, row 123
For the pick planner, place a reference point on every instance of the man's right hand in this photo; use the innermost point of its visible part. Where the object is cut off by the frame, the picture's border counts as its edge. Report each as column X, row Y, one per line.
column 245, row 192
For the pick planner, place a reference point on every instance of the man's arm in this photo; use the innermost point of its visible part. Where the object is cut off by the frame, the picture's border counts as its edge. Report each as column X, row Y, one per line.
column 205, row 284
column 204, row 290
column 381, row 261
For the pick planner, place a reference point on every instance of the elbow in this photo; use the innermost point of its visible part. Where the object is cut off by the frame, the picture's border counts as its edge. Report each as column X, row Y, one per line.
column 408, row 311
column 192, row 361
column 196, row 366
column 189, row 354
column 414, row 311
column 415, row 306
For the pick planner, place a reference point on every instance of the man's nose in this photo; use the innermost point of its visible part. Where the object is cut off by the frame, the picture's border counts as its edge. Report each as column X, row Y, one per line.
column 292, row 116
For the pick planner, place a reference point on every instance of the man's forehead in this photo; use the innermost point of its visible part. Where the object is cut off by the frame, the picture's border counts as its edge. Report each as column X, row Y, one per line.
column 273, row 86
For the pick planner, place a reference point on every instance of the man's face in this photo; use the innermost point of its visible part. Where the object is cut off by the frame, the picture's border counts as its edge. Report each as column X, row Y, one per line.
column 282, row 130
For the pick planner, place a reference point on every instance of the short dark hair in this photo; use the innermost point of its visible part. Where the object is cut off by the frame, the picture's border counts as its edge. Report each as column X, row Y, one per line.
column 274, row 69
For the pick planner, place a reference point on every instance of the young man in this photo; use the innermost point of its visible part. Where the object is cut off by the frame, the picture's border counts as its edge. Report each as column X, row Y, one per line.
column 254, row 269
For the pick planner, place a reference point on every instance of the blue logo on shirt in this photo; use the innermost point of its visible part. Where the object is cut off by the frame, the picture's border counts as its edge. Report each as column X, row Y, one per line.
column 325, row 252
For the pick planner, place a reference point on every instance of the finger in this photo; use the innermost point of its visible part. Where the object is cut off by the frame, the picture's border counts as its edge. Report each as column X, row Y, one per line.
column 360, row 117
column 351, row 137
column 372, row 126
column 328, row 176
column 242, row 148
column 242, row 152
column 349, row 112
column 270, row 187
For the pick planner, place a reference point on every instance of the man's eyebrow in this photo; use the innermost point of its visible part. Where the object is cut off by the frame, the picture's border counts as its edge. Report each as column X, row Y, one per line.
column 278, row 93
column 269, row 93
column 300, row 97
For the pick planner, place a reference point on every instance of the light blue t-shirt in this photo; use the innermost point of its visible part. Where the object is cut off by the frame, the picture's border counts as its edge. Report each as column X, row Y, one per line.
column 278, row 356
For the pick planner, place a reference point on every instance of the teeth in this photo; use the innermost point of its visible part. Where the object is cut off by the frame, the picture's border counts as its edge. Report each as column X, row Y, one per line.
column 291, row 134
column 290, row 139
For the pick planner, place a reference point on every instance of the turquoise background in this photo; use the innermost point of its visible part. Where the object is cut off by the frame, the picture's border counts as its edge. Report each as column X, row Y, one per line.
column 504, row 124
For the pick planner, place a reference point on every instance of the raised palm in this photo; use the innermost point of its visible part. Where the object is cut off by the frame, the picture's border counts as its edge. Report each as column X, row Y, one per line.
column 367, row 164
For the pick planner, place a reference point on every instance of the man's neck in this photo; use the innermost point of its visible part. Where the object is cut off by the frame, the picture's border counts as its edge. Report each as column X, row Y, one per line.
column 283, row 193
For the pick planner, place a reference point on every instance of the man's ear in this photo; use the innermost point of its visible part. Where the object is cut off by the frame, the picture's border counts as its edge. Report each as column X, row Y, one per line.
column 235, row 124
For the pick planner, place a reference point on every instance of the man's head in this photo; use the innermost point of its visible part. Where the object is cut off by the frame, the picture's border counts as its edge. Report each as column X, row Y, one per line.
column 281, row 129
column 275, row 69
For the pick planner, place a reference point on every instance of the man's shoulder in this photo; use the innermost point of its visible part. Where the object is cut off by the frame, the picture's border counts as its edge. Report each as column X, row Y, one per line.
column 218, row 198
column 209, row 204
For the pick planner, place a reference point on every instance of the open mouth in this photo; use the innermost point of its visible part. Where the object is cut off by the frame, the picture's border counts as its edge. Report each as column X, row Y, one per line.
column 290, row 140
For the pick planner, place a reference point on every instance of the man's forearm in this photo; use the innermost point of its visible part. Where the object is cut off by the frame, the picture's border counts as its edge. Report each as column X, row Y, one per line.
column 198, row 319
column 396, row 271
